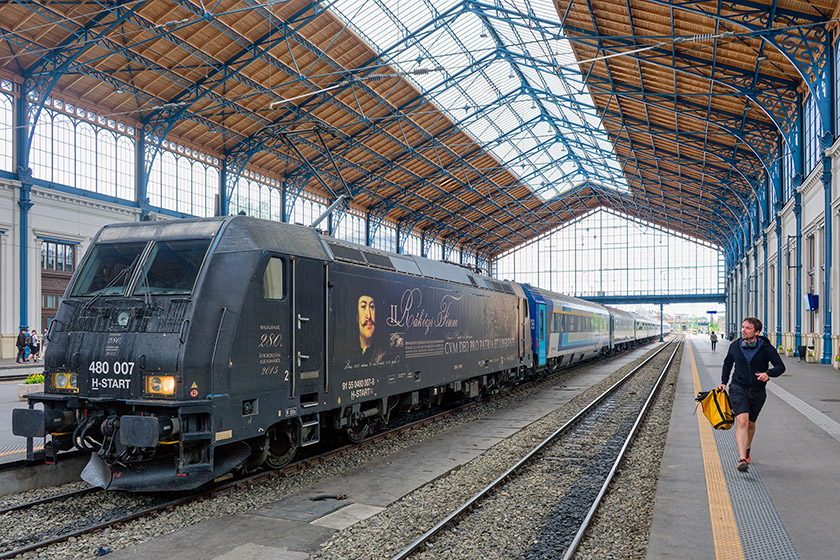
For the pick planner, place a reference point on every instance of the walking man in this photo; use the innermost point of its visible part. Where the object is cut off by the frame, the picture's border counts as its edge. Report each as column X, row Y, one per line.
column 751, row 355
column 713, row 339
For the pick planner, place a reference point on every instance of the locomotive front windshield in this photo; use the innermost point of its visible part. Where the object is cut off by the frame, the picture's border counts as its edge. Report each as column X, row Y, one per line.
column 172, row 267
column 108, row 269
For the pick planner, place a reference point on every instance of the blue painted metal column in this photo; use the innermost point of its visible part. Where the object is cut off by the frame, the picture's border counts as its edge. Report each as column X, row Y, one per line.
column 766, row 274
column 141, row 185
column 24, row 175
column 739, row 290
column 284, row 212
column 223, row 199
column 778, row 277
column 755, row 279
column 797, row 212
column 826, row 179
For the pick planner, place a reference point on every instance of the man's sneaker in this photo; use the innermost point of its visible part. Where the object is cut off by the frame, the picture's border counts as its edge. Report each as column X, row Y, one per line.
column 743, row 465
column 748, row 455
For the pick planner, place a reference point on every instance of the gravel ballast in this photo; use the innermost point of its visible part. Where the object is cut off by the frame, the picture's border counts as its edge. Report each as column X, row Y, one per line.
column 383, row 535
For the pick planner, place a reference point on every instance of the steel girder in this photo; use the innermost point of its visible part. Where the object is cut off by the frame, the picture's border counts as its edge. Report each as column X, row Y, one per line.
column 805, row 48
column 299, row 39
column 412, row 40
column 42, row 76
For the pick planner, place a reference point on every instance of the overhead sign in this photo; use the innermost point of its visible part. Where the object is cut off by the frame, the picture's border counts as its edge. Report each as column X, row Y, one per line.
column 711, row 312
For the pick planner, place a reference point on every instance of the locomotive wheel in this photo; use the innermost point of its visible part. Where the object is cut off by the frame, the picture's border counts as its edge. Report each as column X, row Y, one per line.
column 282, row 446
column 357, row 432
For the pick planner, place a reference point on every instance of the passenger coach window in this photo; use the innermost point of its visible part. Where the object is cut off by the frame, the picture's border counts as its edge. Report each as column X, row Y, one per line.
column 273, row 287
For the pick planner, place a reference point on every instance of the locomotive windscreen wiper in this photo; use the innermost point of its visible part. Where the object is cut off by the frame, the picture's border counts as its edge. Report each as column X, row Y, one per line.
column 110, row 284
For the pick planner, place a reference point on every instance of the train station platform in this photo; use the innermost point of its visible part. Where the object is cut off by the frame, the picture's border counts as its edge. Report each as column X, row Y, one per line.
column 13, row 448
column 786, row 505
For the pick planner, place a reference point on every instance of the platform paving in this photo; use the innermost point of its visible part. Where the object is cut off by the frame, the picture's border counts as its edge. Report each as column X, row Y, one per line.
column 786, row 505
column 293, row 527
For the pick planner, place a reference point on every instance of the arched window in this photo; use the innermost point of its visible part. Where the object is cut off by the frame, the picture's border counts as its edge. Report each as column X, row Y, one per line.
column 125, row 168
column 76, row 148
column 64, row 152
column 86, row 150
column 201, row 194
column 254, row 199
column 40, row 153
column 265, row 201
column 107, row 180
column 276, row 206
column 182, row 183
column 168, row 179
column 184, row 188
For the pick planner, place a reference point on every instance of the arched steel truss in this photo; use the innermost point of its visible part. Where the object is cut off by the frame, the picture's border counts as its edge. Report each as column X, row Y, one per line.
column 690, row 108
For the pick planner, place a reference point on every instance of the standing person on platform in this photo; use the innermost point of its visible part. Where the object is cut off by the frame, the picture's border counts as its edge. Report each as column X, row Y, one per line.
column 35, row 346
column 713, row 339
column 21, row 345
column 751, row 355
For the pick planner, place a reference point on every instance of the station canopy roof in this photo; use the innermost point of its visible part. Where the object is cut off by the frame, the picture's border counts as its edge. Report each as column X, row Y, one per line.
column 484, row 124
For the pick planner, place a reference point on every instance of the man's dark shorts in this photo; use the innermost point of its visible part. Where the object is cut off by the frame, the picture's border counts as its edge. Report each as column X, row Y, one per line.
column 743, row 399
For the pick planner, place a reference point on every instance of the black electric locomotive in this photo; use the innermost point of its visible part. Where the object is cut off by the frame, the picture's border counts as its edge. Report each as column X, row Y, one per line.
column 186, row 349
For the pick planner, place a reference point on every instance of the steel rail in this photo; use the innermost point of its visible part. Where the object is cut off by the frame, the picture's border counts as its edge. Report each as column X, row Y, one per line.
column 55, row 498
column 96, row 527
column 407, row 551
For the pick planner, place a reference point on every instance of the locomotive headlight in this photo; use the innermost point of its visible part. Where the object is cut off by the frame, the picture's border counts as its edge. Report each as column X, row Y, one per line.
column 160, row 384
column 65, row 381
column 122, row 318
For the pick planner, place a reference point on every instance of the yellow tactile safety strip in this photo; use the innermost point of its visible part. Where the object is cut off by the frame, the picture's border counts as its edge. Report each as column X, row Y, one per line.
column 724, row 529
column 13, row 451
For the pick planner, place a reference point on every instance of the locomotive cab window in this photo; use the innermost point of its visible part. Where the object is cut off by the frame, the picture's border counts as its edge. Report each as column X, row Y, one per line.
column 273, row 281
column 108, row 269
column 172, row 267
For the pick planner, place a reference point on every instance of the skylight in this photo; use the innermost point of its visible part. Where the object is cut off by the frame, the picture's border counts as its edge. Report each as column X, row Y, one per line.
column 506, row 75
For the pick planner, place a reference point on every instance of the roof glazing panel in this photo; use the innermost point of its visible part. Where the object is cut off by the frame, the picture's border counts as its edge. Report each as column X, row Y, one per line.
column 506, row 75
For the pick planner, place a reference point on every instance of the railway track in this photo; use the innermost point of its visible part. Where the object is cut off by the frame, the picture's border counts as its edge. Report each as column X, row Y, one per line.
column 146, row 505
column 116, row 508
column 573, row 459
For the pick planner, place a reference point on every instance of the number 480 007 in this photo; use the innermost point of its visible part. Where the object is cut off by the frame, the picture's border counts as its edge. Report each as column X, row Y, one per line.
column 104, row 368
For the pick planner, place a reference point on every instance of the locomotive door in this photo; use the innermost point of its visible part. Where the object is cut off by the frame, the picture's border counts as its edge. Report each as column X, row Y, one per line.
column 540, row 334
column 308, row 318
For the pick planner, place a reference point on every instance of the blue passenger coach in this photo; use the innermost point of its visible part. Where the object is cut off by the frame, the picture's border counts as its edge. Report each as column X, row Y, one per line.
column 565, row 329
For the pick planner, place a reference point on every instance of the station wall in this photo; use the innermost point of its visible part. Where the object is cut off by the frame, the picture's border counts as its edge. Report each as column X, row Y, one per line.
column 777, row 305
column 54, row 215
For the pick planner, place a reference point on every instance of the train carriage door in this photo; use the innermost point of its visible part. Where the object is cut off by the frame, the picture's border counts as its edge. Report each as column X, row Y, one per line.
column 522, row 311
column 308, row 328
column 540, row 334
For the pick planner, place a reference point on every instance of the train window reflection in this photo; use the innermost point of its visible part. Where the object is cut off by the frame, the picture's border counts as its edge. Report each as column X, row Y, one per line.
column 172, row 267
column 273, row 279
column 108, row 269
